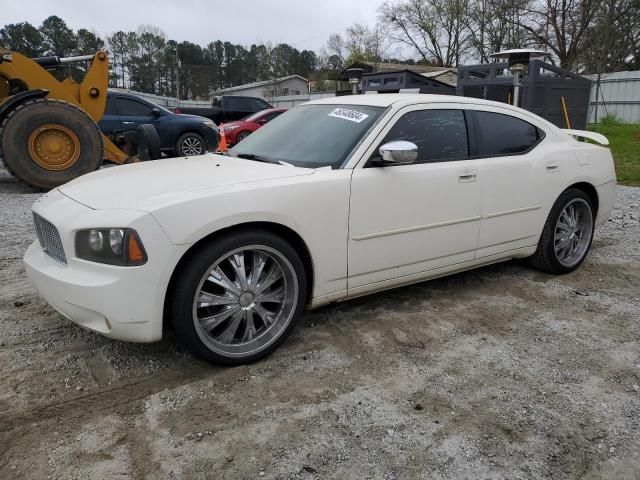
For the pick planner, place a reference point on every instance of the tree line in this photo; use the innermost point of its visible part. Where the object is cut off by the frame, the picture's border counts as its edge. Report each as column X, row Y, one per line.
column 145, row 60
column 592, row 36
column 585, row 36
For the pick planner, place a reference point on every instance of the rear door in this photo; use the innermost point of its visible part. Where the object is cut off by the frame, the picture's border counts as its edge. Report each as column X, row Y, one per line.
column 522, row 176
column 133, row 113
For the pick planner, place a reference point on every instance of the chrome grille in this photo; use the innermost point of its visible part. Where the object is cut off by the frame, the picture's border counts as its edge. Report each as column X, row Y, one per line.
column 49, row 239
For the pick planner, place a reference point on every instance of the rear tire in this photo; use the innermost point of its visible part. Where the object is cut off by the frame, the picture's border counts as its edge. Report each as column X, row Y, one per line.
column 190, row 144
column 241, row 136
column 567, row 234
column 46, row 143
column 237, row 298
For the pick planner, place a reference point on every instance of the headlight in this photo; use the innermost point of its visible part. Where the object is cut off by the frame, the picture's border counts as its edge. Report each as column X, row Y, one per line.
column 229, row 128
column 113, row 246
column 211, row 125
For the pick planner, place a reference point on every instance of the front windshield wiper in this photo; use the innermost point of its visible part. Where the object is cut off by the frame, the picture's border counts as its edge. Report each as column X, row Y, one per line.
column 258, row 158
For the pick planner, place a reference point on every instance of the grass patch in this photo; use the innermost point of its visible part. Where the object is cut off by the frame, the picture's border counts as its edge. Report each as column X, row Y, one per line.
column 624, row 142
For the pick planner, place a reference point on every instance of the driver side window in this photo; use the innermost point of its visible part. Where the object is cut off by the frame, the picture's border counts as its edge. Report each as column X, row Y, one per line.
column 440, row 135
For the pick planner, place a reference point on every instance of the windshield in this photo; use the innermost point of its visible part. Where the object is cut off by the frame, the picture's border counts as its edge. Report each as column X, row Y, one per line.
column 310, row 136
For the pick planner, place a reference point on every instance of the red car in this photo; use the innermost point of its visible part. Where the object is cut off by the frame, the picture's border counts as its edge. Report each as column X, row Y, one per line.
column 239, row 130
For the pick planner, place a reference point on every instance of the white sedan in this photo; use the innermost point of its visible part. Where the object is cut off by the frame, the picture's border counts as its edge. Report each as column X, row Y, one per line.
column 334, row 199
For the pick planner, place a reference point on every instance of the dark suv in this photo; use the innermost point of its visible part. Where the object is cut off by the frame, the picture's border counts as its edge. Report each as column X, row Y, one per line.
column 180, row 135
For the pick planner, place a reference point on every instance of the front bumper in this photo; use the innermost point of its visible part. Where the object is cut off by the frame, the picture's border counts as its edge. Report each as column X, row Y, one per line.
column 124, row 303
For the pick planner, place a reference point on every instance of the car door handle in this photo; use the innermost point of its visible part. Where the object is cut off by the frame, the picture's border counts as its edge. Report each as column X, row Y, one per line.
column 553, row 166
column 128, row 123
column 467, row 176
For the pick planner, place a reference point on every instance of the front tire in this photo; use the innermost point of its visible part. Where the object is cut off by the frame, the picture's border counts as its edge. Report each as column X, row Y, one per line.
column 567, row 234
column 237, row 298
column 190, row 144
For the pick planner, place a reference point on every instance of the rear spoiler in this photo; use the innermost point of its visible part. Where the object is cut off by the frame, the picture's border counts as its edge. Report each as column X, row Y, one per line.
column 596, row 137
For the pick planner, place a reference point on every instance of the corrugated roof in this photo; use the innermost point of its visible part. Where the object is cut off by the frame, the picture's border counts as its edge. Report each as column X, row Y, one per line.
column 260, row 84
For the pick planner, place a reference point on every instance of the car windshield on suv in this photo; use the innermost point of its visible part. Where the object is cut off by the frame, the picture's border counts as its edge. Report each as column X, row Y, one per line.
column 310, row 136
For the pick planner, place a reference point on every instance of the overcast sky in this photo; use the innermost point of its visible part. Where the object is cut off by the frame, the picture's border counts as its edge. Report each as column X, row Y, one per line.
column 303, row 24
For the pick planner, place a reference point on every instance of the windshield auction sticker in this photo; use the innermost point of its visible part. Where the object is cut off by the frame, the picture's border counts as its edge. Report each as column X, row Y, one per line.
column 351, row 115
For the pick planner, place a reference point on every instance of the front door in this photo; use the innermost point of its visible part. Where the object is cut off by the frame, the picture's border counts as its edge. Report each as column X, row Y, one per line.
column 407, row 220
column 134, row 113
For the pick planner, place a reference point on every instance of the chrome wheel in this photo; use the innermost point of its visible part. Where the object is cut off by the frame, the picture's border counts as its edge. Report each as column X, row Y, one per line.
column 573, row 231
column 245, row 300
column 191, row 146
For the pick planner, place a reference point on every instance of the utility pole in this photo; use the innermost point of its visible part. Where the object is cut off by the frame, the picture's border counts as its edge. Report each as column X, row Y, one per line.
column 178, row 82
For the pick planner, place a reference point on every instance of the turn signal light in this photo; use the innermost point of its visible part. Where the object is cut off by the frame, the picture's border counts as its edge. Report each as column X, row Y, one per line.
column 135, row 251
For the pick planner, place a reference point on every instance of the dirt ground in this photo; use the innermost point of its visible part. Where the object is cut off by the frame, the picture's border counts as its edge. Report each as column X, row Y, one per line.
column 502, row 372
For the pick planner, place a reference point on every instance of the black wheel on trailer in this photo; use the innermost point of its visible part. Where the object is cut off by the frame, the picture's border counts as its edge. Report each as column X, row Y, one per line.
column 46, row 143
column 153, row 140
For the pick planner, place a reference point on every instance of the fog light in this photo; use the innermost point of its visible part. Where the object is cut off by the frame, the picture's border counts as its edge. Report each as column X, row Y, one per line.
column 95, row 240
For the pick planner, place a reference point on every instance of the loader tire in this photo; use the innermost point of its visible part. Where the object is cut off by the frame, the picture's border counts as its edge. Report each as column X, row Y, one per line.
column 46, row 143
column 153, row 140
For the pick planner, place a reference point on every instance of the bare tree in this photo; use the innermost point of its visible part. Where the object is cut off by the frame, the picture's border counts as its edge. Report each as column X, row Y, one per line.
column 560, row 26
column 336, row 46
column 436, row 29
column 492, row 27
column 366, row 43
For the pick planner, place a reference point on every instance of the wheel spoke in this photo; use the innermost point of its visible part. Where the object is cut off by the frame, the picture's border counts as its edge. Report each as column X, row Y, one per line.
column 250, row 328
column 206, row 299
column 259, row 262
column 218, row 277
column 237, row 262
column 229, row 333
column 212, row 321
column 563, row 243
column 274, row 274
column 274, row 296
column 266, row 316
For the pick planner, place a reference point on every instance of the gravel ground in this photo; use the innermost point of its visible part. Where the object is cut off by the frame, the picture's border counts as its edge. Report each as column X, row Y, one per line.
column 501, row 372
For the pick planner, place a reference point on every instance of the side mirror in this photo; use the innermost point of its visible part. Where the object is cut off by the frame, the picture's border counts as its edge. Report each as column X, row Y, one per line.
column 262, row 121
column 156, row 112
column 399, row 152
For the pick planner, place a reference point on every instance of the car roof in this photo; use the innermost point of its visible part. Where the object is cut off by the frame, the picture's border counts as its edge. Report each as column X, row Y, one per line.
column 403, row 99
column 388, row 99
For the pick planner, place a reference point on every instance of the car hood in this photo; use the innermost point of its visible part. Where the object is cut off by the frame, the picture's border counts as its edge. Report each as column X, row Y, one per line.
column 148, row 186
column 186, row 116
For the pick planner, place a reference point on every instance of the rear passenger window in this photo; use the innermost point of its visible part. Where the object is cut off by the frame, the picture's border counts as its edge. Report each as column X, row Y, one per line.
column 440, row 135
column 500, row 134
column 110, row 107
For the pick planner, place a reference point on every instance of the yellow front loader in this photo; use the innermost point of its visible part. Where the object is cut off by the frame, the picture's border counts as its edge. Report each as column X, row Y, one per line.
column 48, row 129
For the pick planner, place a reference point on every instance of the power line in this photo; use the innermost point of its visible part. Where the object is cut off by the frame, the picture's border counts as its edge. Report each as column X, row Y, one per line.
column 365, row 21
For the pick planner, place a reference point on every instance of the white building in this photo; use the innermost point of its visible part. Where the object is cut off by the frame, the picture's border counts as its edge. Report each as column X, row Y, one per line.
column 290, row 85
